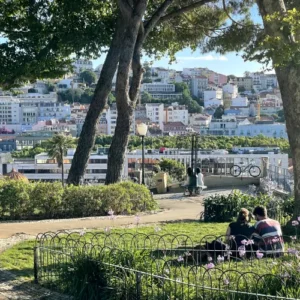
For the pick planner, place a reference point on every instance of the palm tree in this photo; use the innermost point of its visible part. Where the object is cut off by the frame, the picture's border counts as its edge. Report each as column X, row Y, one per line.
column 57, row 147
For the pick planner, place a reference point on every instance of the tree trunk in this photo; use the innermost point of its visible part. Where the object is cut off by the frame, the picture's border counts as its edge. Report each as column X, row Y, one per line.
column 288, row 79
column 62, row 172
column 125, row 107
column 99, row 101
column 126, row 102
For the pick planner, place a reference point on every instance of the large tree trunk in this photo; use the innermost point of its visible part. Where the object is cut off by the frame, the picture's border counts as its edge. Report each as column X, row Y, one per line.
column 126, row 102
column 99, row 101
column 288, row 79
column 125, row 105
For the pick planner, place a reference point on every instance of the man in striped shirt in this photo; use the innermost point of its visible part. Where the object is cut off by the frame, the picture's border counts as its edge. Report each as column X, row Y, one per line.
column 267, row 235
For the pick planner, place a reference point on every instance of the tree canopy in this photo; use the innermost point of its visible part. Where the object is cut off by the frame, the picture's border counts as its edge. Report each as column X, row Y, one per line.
column 88, row 77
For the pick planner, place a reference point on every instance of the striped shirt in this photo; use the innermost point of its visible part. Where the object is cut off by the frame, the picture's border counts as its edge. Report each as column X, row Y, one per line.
column 268, row 235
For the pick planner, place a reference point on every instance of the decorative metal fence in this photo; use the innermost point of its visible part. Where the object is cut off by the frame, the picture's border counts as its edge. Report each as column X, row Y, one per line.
column 93, row 265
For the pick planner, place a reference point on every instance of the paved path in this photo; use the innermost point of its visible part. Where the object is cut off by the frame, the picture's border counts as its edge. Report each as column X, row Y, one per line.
column 173, row 207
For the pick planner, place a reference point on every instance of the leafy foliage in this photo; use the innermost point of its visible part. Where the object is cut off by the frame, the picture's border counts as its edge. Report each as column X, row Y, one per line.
column 43, row 200
column 58, row 145
column 222, row 208
column 219, row 112
column 88, row 77
column 173, row 167
column 40, row 38
column 207, row 142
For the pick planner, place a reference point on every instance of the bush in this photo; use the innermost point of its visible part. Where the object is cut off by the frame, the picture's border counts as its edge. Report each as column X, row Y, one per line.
column 225, row 208
column 83, row 201
column 47, row 199
column 15, row 199
column 140, row 197
column 19, row 200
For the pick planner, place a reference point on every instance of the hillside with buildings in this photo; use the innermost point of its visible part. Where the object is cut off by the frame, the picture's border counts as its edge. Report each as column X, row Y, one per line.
column 171, row 103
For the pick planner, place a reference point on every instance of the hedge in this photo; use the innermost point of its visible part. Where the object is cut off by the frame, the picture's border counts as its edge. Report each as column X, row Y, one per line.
column 225, row 208
column 43, row 200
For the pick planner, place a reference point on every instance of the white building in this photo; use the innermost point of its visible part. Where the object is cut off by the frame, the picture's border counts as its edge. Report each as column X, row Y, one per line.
column 198, row 85
column 214, row 102
column 82, row 65
column 199, row 120
column 155, row 113
column 268, row 129
column 240, row 102
column 48, row 111
column 230, row 89
column 263, row 81
column 42, row 167
column 213, row 94
column 9, row 110
column 176, row 113
column 158, row 87
column 37, row 97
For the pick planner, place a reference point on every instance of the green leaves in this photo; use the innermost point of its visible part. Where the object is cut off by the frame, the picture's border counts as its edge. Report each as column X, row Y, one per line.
column 40, row 37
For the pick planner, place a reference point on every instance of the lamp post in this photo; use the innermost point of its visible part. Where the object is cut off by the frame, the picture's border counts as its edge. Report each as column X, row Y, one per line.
column 142, row 131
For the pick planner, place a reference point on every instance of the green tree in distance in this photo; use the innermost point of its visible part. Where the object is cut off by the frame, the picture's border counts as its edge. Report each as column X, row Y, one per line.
column 173, row 167
column 57, row 147
column 88, row 77
column 219, row 112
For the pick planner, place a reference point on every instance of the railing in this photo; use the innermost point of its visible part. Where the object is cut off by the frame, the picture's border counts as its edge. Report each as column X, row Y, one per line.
column 280, row 179
column 93, row 265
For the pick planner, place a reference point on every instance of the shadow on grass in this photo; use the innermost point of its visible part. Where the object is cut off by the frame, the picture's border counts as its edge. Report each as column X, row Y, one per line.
column 26, row 274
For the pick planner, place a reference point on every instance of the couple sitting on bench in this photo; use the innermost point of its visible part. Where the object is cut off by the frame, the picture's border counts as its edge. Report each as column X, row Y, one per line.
column 194, row 182
column 264, row 237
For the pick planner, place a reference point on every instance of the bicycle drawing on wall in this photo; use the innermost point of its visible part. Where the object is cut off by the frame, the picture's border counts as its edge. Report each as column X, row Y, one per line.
column 251, row 168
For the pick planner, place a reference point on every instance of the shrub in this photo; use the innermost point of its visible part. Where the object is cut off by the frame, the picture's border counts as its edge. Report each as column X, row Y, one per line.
column 15, row 199
column 225, row 208
column 47, row 199
column 19, row 200
column 140, row 197
column 82, row 201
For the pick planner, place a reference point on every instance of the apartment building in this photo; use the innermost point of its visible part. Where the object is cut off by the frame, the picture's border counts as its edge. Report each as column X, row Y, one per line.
column 176, row 113
column 9, row 110
column 158, row 87
column 82, row 65
column 244, row 82
column 155, row 113
column 198, row 85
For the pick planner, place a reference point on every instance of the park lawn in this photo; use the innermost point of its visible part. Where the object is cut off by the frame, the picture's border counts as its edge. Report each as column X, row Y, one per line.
column 19, row 258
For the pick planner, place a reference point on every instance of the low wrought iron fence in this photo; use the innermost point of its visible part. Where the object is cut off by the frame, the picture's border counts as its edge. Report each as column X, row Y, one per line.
column 92, row 265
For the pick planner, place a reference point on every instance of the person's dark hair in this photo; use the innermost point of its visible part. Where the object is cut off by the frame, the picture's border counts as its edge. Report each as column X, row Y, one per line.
column 198, row 171
column 260, row 211
column 189, row 171
column 243, row 216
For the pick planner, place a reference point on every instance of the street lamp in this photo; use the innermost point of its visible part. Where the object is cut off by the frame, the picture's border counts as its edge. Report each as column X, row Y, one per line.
column 142, row 131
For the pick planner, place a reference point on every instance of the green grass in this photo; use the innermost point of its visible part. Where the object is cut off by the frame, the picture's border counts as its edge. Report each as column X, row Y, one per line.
column 19, row 258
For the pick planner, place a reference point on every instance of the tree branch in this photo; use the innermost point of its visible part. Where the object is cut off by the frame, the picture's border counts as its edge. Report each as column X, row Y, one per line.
column 184, row 9
column 137, row 69
column 150, row 24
